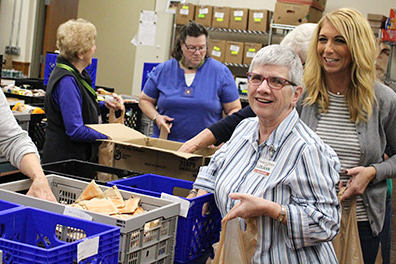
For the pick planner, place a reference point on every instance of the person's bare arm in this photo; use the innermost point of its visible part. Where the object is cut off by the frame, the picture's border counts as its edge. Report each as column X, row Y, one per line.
column 204, row 139
column 147, row 105
column 30, row 166
column 232, row 107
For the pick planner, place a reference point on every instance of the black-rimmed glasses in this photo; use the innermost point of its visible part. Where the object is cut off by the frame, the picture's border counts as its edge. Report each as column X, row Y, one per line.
column 273, row 81
column 193, row 49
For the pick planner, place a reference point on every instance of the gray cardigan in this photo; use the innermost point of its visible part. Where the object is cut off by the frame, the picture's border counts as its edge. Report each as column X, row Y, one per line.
column 374, row 136
column 14, row 142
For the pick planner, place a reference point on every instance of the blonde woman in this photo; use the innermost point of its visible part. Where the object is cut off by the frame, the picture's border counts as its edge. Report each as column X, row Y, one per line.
column 354, row 114
column 70, row 100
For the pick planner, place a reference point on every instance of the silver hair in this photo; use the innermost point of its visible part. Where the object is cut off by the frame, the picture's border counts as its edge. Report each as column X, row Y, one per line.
column 281, row 56
column 299, row 38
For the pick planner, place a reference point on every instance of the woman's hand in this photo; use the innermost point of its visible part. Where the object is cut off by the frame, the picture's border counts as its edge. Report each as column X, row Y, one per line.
column 357, row 184
column 116, row 103
column 164, row 121
column 251, row 206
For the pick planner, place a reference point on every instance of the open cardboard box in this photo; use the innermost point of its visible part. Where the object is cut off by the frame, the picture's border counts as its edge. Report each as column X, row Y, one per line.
column 135, row 151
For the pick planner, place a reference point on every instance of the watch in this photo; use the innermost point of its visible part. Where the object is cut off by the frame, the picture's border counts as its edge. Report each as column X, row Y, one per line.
column 155, row 118
column 282, row 214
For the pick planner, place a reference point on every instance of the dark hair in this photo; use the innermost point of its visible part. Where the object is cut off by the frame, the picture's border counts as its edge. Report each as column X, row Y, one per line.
column 192, row 29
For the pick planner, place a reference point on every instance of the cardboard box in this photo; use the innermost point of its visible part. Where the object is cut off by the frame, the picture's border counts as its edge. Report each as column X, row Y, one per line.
column 203, row 15
column 184, row 13
column 221, row 17
column 249, row 50
column 133, row 150
column 217, row 49
column 376, row 24
column 234, row 52
column 318, row 4
column 258, row 20
column 239, row 18
column 376, row 17
column 295, row 14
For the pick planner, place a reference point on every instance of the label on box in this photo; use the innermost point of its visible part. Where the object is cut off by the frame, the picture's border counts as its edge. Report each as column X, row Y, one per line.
column 203, row 11
column 220, row 19
column 234, row 48
column 184, row 11
column 71, row 211
column 184, row 204
column 216, row 48
column 250, row 54
column 201, row 16
column 238, row 13
column 87, row 248
column 257, row 20
column 258, row 15
column 238, row 19
column 216, row 53
column 219, row 15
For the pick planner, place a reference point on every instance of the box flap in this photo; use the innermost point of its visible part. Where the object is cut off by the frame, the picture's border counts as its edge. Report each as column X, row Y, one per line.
column 119, row 132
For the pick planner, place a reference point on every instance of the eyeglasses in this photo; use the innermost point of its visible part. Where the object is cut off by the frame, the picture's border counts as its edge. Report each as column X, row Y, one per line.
column 274, row 82
column 193, row 49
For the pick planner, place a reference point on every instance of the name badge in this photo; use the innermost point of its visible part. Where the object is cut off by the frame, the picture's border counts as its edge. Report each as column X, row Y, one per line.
column 264, row 167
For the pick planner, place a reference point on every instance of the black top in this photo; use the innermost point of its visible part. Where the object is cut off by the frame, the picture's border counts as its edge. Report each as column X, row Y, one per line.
column 223, row 129
column 58, row 145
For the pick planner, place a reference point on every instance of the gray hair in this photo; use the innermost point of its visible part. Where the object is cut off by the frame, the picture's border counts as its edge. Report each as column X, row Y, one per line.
column 281, row 56
column 299, row 38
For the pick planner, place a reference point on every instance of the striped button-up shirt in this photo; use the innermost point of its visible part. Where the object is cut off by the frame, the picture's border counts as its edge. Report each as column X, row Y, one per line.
column 302, row 176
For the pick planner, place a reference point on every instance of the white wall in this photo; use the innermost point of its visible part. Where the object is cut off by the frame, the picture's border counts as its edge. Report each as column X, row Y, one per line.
column 25, row 41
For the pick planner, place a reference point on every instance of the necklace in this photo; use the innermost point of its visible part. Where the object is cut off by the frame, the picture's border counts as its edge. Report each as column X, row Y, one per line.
column 191, row 68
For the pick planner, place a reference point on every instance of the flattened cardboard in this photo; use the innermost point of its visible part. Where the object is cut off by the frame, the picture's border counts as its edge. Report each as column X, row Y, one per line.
column 295, row 14
column 221, row 17
column 133, row 150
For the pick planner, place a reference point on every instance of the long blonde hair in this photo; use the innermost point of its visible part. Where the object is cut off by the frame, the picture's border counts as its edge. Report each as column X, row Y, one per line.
column 354, row 27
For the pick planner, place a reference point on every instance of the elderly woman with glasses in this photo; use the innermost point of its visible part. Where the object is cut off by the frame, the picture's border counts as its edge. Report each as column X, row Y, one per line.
column 191, row 91
column 275, row 168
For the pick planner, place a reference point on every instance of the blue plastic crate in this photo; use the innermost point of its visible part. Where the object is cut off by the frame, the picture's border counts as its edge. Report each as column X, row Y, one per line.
column 31, row 235
column 4, row 205
column 196, row 233
column 50, row 63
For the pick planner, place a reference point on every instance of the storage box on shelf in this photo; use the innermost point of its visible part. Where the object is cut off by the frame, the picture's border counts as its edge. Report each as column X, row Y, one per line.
column 259, row 20
column 249, row 51
column 137, row 244
column 25, row 238
column 196, row 232
column 203, row 15
column 318, row 4
column 86, row 171
column 238, row 18
column 184, row 13
column 295, row 14
column 234, row 52
column 217, row 49
column 221, row 17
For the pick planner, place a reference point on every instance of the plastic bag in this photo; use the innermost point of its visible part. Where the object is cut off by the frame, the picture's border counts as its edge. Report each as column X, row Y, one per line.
column 347, row 243
column 236, row 246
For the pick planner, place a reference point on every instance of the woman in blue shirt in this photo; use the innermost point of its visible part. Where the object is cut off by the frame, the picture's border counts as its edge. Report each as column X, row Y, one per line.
column 191, row 91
